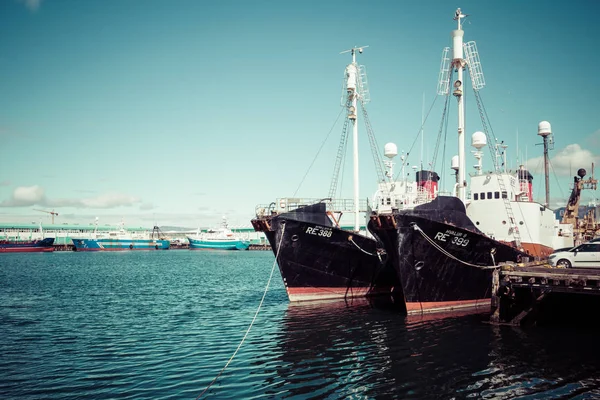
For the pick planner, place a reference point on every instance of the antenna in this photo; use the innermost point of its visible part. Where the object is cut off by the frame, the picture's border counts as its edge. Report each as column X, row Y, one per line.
column 422, row 123
column 545, row 131
column 355, row 78
column 359, row 48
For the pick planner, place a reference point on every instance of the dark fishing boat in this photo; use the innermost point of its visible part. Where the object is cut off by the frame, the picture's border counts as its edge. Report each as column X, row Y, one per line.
column 319, row 259
column 27, row 246
column 444, row 250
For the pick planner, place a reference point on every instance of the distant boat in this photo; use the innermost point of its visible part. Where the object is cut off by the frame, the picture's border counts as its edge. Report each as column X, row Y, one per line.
column 122, row 240
column 30, row 245
column 27, row 246
column 222, row 238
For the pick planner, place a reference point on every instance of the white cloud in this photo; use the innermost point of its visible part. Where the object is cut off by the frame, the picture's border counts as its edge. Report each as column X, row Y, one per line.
column 566, row 162
column 146, row 206
column 109, row 200
column 32, row 5
column 594, row 139
column 24, row 196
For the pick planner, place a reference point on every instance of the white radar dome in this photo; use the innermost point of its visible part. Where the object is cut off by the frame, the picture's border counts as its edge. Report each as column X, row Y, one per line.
column 454, row 163
column 544, row 128
column 478, row 140
column 390, row 150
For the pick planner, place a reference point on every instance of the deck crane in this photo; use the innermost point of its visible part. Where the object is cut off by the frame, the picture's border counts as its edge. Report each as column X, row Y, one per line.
column 53, row 213
column 585, row 229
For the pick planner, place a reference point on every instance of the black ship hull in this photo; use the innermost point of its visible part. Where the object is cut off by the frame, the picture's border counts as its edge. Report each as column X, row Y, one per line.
column 443, row 261
column 319, row 261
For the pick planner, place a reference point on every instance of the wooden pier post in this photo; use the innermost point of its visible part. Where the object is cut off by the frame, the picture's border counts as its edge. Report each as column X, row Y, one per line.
column 524, row 294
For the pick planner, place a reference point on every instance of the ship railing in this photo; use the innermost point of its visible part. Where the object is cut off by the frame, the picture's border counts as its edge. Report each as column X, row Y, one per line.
column 286, row 204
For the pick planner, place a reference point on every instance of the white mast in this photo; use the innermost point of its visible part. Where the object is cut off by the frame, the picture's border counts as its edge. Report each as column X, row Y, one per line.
column 458, row 63
column 422, row 123
column 353, row 83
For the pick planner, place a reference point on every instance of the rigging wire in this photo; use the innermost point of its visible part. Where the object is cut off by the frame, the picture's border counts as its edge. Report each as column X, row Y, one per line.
column 318, row 152
column 539, row 167
column 375, row 153
column 341, row 170
column 444, row 149
column 562, row 194
column 341, row 153
column 443, row 125
column 417, row 136
column 253, row 319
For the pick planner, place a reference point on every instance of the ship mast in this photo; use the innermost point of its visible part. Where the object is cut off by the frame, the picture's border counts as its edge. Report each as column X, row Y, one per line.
column 352, row 92
column 459, row 63
column 545, row 130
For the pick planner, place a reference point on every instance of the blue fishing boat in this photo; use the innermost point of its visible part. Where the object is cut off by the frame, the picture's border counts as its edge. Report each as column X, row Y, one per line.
column 122, row 240
column 222, row 238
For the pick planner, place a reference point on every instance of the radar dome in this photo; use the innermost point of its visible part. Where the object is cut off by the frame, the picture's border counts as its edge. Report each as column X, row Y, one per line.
column 390, row 150
column 544, row 128
column 478, row 140
column 581, row 172
column 454, row 163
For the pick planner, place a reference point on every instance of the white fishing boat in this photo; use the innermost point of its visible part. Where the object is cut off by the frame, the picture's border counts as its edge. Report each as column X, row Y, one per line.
column 222, row 238
column 121, row 239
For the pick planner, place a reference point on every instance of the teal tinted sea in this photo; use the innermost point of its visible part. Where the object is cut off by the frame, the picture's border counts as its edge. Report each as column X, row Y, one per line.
column 162, row 324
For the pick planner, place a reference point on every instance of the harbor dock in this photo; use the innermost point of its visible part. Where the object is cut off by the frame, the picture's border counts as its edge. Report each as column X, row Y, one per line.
column 536, row 292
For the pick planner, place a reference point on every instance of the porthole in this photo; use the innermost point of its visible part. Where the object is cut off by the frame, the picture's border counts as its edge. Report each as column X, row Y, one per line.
column 294, row 238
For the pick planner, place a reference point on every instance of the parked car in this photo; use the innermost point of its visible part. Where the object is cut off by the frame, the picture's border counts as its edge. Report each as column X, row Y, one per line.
column 562, row 249
column 586, row 255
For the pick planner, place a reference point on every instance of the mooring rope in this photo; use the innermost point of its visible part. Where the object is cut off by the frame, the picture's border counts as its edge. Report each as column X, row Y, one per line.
column 443, row 251
column 358, row 247
column 377, row 254
column 253, row 319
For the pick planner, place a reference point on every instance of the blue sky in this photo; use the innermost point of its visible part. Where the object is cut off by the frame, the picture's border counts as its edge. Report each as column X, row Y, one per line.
column 181, row 112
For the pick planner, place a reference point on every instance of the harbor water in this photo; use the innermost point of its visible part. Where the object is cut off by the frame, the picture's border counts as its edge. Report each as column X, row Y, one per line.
column 163, row 324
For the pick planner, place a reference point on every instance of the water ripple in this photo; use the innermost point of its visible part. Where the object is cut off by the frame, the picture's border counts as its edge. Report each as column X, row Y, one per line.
column 162, row 325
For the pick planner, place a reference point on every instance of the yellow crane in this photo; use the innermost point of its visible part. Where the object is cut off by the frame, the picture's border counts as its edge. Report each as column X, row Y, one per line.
column 49, row 212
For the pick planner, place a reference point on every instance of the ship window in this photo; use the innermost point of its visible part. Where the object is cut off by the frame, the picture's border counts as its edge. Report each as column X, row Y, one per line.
column 504, row 195
column 489, row 195
column 475, row 196
column 389, row 201
column 482, row 196
column 496, row 195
